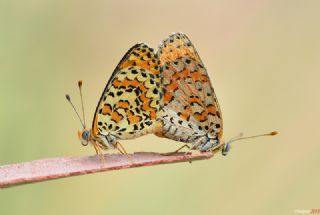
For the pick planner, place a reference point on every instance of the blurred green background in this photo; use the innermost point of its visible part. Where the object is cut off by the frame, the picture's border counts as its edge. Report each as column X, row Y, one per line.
column 263, row 58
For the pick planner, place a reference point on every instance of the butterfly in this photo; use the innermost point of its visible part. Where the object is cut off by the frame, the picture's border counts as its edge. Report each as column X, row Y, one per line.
column 129, row 104
column 190, row 111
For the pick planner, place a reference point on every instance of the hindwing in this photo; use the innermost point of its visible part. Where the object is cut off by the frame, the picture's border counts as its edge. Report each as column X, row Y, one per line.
column 189, row 105
column 130, row 101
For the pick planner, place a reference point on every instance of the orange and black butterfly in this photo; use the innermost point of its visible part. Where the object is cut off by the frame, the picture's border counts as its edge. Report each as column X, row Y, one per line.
column 129, row 104
column 190, row 111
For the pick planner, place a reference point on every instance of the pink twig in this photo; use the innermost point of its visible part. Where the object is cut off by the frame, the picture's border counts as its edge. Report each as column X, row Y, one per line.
column 47, row 169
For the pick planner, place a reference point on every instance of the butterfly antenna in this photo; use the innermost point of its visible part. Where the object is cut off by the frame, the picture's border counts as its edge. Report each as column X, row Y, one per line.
column 249, row 137
column 69, row 99
column 80, row 89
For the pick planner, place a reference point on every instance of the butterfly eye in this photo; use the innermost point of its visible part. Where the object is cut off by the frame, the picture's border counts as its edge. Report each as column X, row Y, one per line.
column 85, row 135
column 226, row 149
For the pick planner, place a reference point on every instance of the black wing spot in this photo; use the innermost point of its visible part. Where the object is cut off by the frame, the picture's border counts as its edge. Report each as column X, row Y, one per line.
column 188, row 118
column 138, row 110
column 144, row 74
column 137, row 101
column 111, row 94
column 155, row 91
column 148, row 123
column 137, row 91
column 135, row 54
column 122, row 129
column 171, row 120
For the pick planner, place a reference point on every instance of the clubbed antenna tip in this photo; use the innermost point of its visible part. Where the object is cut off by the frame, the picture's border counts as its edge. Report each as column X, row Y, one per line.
column 68, row 97
column 274, row 133
column 80, row 89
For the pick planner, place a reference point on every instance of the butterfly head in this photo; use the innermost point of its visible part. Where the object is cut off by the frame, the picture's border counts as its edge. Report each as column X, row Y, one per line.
column 84, row 136
column 226, row 148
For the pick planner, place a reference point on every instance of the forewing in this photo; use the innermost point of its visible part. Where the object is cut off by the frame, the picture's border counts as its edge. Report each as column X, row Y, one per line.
column 189, row 100
column 130, row 101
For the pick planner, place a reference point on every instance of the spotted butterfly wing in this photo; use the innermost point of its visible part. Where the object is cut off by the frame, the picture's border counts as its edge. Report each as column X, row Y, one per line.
column 190, row 110
column 129, row 103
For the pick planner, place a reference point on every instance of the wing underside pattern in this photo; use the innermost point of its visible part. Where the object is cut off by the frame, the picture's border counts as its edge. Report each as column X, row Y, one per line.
column 130, row 102
column 190, row 108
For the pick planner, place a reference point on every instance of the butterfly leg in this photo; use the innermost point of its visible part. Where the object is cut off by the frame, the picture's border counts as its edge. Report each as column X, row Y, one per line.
column 95, row 148
column 122, row 150
column 118, row 148
column 196, row 145
column 98, row 151
column 200, row 142
column 177, row 150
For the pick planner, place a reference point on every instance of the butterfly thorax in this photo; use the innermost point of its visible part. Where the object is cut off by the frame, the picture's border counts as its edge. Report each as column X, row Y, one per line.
column 210, row 143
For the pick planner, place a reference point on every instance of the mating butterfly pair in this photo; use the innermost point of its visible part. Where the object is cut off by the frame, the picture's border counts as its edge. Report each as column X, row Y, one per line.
column 167, row 93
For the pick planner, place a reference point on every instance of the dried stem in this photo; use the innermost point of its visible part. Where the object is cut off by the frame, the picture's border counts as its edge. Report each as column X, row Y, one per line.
column 54, row 168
